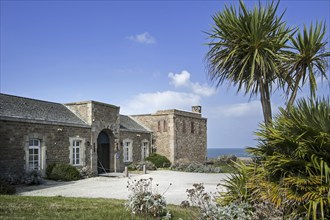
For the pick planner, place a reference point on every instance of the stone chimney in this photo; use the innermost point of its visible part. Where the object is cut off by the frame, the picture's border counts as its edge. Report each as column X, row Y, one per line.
column 197, row 109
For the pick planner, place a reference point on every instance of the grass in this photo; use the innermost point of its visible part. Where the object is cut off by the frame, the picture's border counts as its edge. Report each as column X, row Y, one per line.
column 32, row 207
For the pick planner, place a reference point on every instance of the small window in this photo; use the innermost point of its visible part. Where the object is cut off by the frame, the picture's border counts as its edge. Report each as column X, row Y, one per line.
column 34, row 154
column 164, row 126
column 76, row 152
column 159, row 127
column 144, row 150
column 192, row 127
column 128, row 151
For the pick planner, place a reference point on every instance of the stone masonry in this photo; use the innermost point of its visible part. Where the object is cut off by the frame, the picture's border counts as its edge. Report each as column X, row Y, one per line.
column 101, row 132
column 178, row 134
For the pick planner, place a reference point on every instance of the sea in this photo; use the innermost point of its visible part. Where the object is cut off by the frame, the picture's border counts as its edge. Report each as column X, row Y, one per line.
column 216, row 152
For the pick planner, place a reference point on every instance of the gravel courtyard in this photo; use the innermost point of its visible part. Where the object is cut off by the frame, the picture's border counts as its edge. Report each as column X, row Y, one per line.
column 116, row 187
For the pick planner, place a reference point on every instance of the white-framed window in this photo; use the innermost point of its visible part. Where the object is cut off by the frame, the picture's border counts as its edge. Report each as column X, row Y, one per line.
column 76, row 152
column 34, row 154
column 144, row 149
column 127, row 150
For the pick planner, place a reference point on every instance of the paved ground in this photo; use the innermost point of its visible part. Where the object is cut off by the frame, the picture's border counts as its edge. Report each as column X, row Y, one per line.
column 115, row 187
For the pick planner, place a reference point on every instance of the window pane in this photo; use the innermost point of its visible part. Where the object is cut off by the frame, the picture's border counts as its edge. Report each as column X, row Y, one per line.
column 35, row 142
column 77, row 143
column 30, row 142
column 77, row 161
column 30, row 165
column 30, row 151
column 77, row 150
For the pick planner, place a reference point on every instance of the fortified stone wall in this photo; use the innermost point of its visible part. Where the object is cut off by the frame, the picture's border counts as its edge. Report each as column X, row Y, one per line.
column 162, row 132
column 191, row 138
column 54, row 141
column 178, row 134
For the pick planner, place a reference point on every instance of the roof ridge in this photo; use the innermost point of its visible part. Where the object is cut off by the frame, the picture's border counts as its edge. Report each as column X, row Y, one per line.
column 39, row 100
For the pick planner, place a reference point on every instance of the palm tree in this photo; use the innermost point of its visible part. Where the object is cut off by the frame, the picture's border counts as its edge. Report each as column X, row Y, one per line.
column 246, row 50
column 308, row 60
column 295, row 156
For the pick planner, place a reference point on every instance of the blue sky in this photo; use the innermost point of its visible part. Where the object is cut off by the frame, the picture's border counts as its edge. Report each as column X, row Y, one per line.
column 139, row 55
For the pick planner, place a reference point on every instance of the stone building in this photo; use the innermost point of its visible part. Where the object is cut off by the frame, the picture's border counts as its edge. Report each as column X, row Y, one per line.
column 91, row 135
column 178, row 134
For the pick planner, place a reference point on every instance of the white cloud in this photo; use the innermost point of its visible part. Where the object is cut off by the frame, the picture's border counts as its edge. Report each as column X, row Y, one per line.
column 151, row 102
column 203, row 90
column 236, row 110
column 144, row 38
column 179, row 79
column 183, row 80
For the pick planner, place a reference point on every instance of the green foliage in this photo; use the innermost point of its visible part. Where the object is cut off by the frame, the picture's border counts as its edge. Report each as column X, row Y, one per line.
column 235, row 184
column 139, row 166
column 35, row 207
column 65, row 172
column 307, row 61
column 6, row 188
column 144, row 201
column 209, row 210
column 49, row 170
column 226, row 159
column 246, row 50
column 159, row 160
column 33, row 177
column 187, row 166
column 292, row 170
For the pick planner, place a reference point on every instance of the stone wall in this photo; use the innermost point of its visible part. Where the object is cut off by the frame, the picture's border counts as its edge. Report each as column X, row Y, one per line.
column 161, row 137
column 191, row 143
column 101, row 117
column 173, row 136
column 54, row 140
column 82, row 109
column 136, row 138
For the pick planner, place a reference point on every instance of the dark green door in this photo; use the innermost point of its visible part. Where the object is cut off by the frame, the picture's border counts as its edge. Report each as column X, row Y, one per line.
column 103, row 153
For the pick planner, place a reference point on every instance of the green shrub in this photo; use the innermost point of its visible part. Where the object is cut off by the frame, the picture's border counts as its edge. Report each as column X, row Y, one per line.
column 291, row 172
column 187, row 166
column 6, row 188
column 64, row 172
column 139, row 166
column 144, row 200
column 33, row 177
column 225, row 159
column 49, row 170
column 159, row 160
column 209, row 210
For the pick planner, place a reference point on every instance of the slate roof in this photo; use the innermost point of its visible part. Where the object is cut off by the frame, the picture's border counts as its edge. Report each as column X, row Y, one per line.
column 129, row 124
column 19, row 108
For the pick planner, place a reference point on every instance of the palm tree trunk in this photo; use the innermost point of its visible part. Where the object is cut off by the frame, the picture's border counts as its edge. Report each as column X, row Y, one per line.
column 265, row 102
column 294, row 92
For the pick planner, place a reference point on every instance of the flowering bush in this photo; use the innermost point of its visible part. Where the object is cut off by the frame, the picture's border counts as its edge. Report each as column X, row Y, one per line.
column 187, row 166
column 143, row 200
column 139, row 166
column 209, row 209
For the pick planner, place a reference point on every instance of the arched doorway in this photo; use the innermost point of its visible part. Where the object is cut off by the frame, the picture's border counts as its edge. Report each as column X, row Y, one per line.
column 103, row 153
